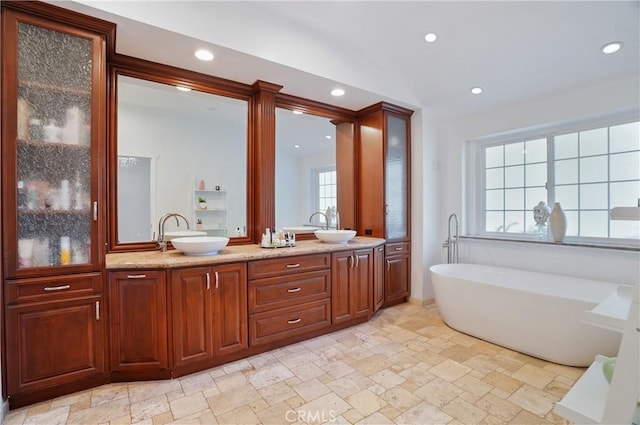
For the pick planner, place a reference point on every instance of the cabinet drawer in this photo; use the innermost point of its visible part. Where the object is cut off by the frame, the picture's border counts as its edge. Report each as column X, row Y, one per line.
column 288, row 265
column 42, row 289
column 283, row 291
column 398, row 248
column 280, row 324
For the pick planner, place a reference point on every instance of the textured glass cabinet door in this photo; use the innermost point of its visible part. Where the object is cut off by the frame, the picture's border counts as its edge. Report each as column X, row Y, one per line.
column 396, row 176
column 51, row 193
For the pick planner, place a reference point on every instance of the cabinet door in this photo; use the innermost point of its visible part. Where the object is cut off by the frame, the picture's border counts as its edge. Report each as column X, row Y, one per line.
column 53, row 133
column 378, row 277
column 54, row 343
column 138, row 318
column 397, row 275
column 341, row 296
column 230, row 309
column 396, row 178
column 362, row 283
column 192, row 315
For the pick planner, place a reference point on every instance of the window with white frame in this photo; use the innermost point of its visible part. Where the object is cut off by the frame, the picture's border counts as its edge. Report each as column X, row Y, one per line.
column 326, row 190
column 587, row 169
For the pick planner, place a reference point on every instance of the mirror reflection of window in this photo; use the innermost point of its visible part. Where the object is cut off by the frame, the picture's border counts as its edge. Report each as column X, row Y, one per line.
column 305, row 146
column 326, row 193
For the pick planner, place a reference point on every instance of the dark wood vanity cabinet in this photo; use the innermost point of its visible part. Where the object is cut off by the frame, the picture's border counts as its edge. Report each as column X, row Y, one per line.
column 209, row 311
column 351, row 285
column 55, row 336
column 53, row 144
column 384, row 190
column 138, row 324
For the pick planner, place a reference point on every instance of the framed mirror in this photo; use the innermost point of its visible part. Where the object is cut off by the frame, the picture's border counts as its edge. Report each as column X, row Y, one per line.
column 178, row 151
column 314, row 171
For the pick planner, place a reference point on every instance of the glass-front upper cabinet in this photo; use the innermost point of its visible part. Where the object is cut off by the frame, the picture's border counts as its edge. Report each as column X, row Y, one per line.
column 397, row 178
column 53, row 127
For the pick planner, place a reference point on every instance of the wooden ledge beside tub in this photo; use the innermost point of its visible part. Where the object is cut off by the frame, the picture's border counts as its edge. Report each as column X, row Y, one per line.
column 171, row 314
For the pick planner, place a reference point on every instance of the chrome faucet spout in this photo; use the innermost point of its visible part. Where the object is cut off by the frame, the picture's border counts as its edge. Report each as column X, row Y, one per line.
column 161, row 243
column 326, row 219
column 451, row 244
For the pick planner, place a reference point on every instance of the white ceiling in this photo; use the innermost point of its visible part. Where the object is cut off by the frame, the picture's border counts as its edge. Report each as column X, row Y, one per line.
column 516, row 51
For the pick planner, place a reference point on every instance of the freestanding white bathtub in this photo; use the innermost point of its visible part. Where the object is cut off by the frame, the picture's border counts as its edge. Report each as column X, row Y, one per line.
column 534, row 313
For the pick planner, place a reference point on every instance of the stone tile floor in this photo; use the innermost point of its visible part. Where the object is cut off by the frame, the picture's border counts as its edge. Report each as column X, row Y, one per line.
column 404, row 366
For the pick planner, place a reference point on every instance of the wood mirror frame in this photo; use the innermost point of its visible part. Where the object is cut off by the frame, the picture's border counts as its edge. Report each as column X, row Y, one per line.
column 164, row 74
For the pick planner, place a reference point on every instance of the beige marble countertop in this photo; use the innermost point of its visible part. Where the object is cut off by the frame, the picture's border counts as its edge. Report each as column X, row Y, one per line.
column 229, row 254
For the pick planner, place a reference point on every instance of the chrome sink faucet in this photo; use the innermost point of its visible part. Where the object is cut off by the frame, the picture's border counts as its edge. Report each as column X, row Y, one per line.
column 161, row 243
column 326, row 219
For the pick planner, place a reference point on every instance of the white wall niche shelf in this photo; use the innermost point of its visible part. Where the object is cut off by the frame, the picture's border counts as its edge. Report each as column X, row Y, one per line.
column 214, row 217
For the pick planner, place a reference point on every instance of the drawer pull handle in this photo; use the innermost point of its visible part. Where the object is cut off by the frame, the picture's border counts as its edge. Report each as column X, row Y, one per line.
column 294, row 321
column 398, row 249
column 293, row 266
column 136, row 276
column 57, row 288
column 294, row 290
column 217, row 280
column 357, row 257
column 97, row 310
column 208, row 281
column 388, row 264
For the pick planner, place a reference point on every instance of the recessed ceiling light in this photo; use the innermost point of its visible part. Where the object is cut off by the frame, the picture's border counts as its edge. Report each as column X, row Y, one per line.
column 337, row 92
column 328, row 137
column 296, row 146
column 612, row 47
column 182, row 88
column 204, row 55
column 298, row 112
column 476, row 90
column 430, row 37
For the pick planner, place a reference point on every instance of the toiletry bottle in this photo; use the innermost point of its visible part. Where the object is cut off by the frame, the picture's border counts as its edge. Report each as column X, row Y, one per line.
column 77, row 198
column 65, row 250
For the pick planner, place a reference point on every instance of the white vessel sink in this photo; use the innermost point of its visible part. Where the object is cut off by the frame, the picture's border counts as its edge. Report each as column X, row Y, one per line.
column 183, row 234
column 335, row 236
column 200, row 245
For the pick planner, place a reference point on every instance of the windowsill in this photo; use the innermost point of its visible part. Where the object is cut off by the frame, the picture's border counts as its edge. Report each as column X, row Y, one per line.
column 570, row 244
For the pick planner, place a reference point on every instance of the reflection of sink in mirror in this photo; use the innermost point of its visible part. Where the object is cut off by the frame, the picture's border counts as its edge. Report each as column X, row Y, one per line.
column 200, row 245
column 301, row 229
column 335, row 236
column 183, row 234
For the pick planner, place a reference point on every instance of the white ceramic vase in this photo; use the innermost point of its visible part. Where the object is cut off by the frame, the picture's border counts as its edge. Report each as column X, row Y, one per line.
column 558, row 223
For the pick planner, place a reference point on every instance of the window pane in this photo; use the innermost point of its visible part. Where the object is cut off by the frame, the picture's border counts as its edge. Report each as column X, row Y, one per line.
column 625, row 166
column 494, row 200
column 493, row 221
column 593, row 142
column 514, row 221
column 494, row 156
column 514, row 199
column 566, row 146
column 572, row 222
column 624, row 194
column 514, row 176
column 536, row 150
column 593, row 196
column 533, row 196
column 566, row 171
column 514, row 153
column 624, row 137
column 594, row 223
column 537, row 174
column 625, row 229
column 494, row 178
column 567, row 196
column 593, row 169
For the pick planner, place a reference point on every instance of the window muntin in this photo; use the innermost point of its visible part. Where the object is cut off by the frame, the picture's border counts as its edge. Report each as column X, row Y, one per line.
column 589, row 172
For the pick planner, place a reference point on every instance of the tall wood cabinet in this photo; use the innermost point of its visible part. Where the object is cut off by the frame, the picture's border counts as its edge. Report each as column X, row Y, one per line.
column 384, row 192
column 53, row 135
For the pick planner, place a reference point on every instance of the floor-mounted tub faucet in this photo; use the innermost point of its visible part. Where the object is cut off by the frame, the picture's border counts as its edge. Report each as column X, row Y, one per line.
column 451, row 244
